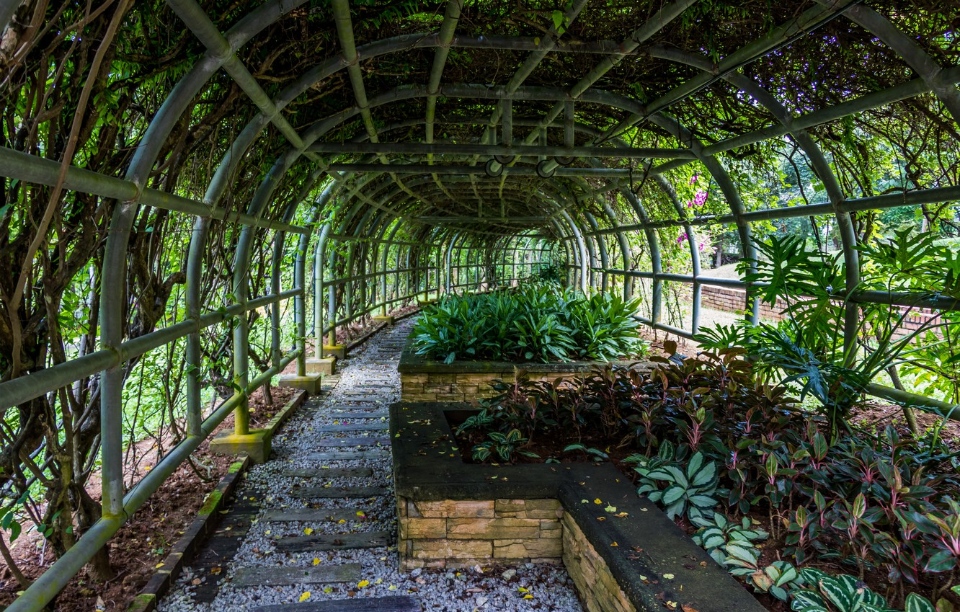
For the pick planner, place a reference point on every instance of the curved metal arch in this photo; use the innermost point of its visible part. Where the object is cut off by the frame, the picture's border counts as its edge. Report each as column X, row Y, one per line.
column 823, row 171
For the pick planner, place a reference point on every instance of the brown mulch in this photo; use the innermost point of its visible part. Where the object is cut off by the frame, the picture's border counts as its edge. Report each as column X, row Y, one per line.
column 145, row 540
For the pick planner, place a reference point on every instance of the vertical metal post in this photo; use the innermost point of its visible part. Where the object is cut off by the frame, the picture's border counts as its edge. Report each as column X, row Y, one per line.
column 318, row 289
column 194, row 348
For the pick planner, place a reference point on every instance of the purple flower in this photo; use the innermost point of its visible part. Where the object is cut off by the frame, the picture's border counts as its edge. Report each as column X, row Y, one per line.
column 682, row 237
column 693, row 179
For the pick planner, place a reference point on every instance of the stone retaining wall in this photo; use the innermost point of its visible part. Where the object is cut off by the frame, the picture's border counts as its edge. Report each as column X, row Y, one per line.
column 463, row 533
column 590, row 572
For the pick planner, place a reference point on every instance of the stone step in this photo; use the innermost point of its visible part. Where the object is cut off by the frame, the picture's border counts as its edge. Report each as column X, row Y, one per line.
column 310, row 515
column 375, row 414
column 376, row 452
column 356, row 472
column 287, row 576
column 338, row 492
column 382, row 426
column 338, row 541
column 353, row 441
column 400, row 603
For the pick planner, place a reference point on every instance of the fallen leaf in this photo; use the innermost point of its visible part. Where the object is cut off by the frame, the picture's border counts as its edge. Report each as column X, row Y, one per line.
column 672, row 605
column 528, row 596
column 308, row 530
column 328, row 590
column 610, row 509
column 597, row 501
column 305, row 596
column 392, row 587
column 614, row 544
column 622, row 515
column 689, row 609
column 668, row 576
column 363, row 584
column 316, row 561
column 216, row 570
column 159, row 564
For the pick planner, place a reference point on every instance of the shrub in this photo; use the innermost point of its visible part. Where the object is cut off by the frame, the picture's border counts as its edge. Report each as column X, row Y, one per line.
column 540, row 322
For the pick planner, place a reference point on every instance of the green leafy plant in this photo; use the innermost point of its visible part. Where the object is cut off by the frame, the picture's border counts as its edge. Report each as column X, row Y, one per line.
column 718, row 531
column 821, row 592
column 691, row 491
column 597, row 454
column 539, row 322
column 504, row 446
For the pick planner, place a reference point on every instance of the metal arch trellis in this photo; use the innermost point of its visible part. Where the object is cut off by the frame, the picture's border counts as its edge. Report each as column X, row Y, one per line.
column 131, row 192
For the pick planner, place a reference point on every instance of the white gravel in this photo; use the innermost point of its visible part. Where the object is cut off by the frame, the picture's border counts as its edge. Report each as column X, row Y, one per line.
column 524, row 587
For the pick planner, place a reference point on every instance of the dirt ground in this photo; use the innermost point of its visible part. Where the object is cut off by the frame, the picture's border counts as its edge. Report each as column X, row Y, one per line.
column 145, row 540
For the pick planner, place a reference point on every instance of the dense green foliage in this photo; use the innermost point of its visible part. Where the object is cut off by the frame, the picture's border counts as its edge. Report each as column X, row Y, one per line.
column 807, row 346
column 715, row 443
column 535, row 323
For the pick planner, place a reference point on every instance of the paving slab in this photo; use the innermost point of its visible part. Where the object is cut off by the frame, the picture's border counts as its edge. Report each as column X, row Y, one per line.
column 338, row 492
column 286, row 576
column 350, row 472
column 382, row 426
column 311, row 515
column 400, row 603
column 338, row 541
column 354, row 441
column 376, row 452
column 373, row 414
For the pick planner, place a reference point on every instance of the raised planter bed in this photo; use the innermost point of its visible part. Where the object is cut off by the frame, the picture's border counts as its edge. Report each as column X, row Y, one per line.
column 425, row 380
column 454, row 514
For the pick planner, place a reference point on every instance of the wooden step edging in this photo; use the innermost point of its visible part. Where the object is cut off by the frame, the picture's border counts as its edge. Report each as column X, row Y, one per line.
column 190, row 542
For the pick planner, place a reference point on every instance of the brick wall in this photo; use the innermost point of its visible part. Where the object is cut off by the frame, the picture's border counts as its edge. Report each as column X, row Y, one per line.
column 734, row 300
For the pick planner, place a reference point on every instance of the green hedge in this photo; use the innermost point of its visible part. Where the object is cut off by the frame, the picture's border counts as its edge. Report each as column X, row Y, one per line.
column 535, row 323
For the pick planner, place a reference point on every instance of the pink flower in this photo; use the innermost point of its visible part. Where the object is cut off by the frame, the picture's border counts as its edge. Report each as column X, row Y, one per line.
column 693, row 179
column 682, row 237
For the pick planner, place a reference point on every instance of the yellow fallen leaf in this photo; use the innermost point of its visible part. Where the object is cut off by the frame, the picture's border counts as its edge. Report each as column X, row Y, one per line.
column 363, row 583
column 361, row 514
column 378, row 581
column 160, row 564
column 614, row 544
column 392, row 587
column 622, row 515
column 316, row 561
column 305, row 596
column 521, row 589
column 597, row 501
column 308, row 530
column 668, row 576
column 341, row 521
column 528, row 596
column 328, row 590
column 610, row 509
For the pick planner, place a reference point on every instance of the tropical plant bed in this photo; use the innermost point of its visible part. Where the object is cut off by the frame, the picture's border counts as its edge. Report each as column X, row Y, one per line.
column 767, row 487
column 621, row 551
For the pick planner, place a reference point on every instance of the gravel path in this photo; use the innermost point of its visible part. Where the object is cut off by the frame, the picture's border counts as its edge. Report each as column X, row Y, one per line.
column 285, row 536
